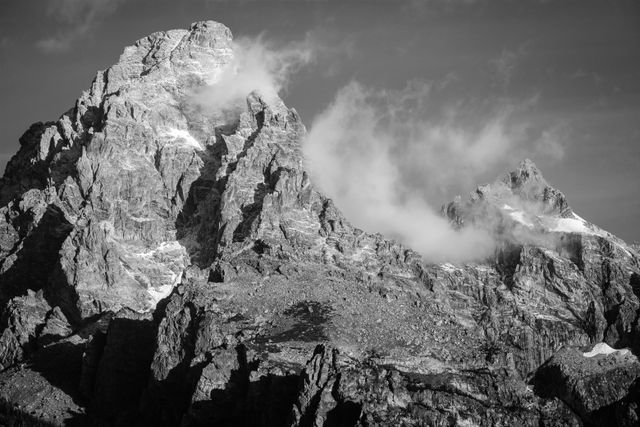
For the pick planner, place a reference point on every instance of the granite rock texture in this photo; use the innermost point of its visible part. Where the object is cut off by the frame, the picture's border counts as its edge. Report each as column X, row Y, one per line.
column 597, row 387
column 164, row 264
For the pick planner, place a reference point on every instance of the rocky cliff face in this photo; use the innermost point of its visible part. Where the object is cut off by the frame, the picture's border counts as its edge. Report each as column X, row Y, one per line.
column 165, row 265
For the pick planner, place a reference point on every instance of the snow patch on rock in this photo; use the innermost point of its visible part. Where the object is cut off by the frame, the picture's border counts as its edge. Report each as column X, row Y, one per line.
column 161, row 292
column 186, row 138
column 604, row 349
column 571, row 225
column 575, row 224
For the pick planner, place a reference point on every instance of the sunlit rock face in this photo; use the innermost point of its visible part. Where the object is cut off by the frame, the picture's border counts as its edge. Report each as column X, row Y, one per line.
column 185, row 271
column 97, row 193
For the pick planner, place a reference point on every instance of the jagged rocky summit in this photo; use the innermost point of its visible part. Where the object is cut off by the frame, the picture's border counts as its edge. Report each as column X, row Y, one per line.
column 163, row 264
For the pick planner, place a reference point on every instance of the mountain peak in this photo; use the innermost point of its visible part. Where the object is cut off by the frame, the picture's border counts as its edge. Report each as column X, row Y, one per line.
column 173, row 58
column 527, row 184
column 521, row 207
column 526, row 171
column 524, row 190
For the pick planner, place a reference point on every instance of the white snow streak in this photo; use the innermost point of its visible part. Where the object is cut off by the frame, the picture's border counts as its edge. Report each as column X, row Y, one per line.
column 185, row 136
column 571, row 225
column 603, row 348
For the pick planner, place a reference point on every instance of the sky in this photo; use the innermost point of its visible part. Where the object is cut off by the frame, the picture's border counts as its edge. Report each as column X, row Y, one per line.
column 554, row 80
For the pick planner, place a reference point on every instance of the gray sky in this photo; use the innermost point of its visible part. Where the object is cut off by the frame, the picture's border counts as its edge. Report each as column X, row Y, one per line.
column 569, row 69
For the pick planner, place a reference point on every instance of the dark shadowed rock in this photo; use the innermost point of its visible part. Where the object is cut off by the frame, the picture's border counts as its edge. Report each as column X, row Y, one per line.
column 123, row 369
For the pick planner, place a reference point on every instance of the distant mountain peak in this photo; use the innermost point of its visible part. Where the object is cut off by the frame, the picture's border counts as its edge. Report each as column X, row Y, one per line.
column 525, row 185
column 521, row 208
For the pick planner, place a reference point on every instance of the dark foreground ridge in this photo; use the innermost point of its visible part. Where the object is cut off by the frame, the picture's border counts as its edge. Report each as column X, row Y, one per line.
column 165, row 265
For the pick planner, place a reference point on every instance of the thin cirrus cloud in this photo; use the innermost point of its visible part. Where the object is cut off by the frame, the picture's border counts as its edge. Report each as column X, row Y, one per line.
column 588, row 75
column 506, row 64
column 76, row 19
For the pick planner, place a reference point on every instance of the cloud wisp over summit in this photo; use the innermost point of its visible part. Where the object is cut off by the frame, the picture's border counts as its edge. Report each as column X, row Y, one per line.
column 257, row 65
column 390, row 158
column 269, row 67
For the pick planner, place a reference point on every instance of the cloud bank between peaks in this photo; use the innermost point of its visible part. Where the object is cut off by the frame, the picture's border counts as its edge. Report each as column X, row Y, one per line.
column 390, row 158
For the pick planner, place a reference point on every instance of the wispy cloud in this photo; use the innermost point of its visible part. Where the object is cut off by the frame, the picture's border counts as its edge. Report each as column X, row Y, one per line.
column 506, row 64
column 332, row 49
column 389, row 158
column 589, row 75
column 553, row 140
column 76, row 18
column 257, row 65
column 266, row 66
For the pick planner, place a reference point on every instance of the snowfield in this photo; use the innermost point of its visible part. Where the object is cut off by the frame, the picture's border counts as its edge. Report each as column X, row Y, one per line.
column 552, row 224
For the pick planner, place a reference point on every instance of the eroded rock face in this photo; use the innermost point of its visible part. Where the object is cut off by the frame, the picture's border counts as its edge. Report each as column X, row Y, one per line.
column 90, row 203
column 338, row 390
column 184, row 260
column 599, row 386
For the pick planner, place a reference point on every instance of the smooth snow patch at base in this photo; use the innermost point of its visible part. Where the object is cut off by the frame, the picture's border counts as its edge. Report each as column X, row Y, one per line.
column 161, row 292
column 184, row 135
column 603, row 348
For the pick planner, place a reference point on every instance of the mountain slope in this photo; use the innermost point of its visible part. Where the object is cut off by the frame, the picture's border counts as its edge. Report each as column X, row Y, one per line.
column 162, row 264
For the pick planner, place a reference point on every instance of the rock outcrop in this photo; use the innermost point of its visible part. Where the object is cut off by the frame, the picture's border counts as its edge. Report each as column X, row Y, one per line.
column 597, row 385
column 164, row 264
